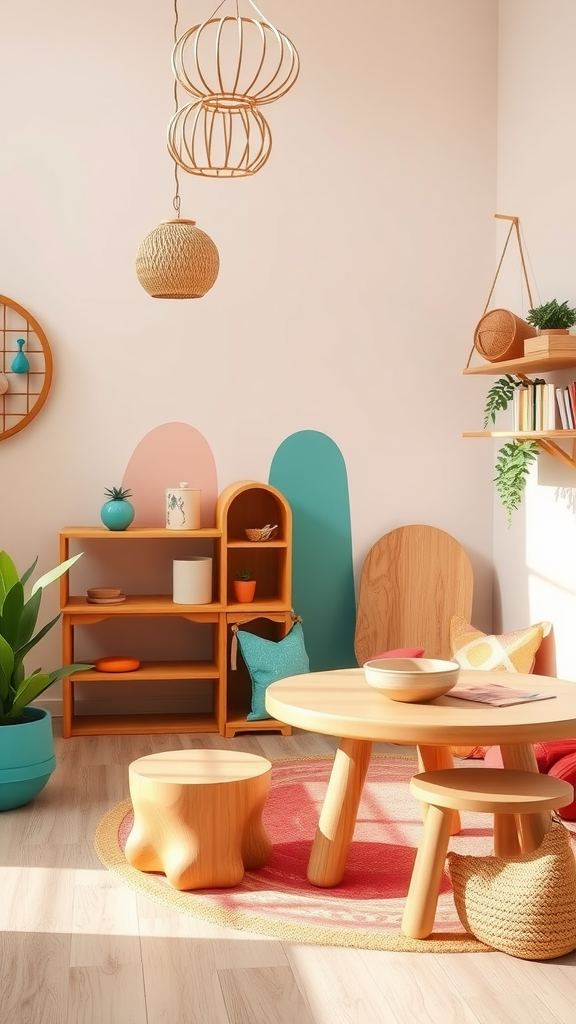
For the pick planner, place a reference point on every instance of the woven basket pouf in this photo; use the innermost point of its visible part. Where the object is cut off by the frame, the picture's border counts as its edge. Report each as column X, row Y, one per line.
column 524, row 906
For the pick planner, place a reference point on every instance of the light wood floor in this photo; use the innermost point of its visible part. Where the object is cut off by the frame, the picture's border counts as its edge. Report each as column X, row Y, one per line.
column 76, row 947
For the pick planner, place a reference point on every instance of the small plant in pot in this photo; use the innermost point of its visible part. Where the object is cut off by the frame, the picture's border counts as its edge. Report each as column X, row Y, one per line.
column 26, row 743
column 117, row 512
column 244, row 586
column 552, row 317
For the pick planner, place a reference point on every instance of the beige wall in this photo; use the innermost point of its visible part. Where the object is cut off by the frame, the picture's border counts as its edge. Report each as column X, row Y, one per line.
column 535, row 560
column 354, row 266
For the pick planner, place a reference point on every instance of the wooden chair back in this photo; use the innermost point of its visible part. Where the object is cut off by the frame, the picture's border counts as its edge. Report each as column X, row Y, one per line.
column 413, row 581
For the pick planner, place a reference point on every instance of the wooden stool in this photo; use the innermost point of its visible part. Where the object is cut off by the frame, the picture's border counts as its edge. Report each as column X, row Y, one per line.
column 517, row 799
column 198, row 816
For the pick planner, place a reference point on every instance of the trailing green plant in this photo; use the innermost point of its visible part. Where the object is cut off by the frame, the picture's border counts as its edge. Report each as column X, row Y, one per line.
column 514, row 459
column 502, row 393
column 245, row 574
column 18, row 618
column 552, row 316
column 513, row 464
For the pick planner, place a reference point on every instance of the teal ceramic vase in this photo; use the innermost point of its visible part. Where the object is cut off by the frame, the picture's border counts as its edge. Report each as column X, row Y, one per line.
column 26, row 758
column 117, row 514
column 20, row 362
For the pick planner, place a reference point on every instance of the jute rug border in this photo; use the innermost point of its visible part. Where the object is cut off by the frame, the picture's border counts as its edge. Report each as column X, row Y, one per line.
column 195, row 905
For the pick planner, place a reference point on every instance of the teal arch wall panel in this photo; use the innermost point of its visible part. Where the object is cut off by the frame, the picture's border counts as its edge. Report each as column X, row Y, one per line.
column 309, row 470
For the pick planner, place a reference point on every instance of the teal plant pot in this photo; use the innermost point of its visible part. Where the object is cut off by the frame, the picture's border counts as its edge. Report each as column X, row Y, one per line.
column 26, row 758
column 117, row 514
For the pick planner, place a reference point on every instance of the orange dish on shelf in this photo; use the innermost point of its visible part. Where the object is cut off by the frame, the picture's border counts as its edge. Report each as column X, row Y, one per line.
column 116, row 664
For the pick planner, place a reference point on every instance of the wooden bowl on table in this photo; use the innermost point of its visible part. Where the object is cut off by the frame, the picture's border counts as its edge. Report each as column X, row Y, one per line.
column 411, row 680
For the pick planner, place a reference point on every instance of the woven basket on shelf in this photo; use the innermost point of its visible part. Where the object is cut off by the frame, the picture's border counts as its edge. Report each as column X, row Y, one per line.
column 500, row 335
column 266, row 533
column 177, row 261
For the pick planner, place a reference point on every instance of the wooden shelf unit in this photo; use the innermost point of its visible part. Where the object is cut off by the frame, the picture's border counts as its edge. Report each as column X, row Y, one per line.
column 240, row 506
column 547, row 440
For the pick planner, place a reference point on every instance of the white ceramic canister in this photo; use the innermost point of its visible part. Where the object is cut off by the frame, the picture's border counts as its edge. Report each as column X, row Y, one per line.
column 192, row 580
column 183, row 508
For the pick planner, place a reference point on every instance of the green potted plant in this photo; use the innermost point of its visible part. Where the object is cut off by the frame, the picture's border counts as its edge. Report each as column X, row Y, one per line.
column 26, row 742
column 552, row 317
column 244, row 586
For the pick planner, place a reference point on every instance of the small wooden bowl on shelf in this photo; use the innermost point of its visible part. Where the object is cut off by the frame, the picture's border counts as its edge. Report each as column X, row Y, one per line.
column 267, row 532
column 105, row 595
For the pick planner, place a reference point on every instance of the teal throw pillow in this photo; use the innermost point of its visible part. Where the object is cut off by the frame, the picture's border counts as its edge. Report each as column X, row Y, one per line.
column 267, row 661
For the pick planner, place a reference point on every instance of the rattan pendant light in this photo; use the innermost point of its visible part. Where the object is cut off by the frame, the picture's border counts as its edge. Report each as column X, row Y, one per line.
column 177, row 260
column 232, row 65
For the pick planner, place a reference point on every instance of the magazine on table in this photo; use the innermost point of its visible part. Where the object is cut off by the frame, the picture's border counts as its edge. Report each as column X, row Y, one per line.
column 500, row 696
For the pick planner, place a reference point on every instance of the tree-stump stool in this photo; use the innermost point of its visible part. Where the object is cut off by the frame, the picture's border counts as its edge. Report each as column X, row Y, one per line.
column 198, row 816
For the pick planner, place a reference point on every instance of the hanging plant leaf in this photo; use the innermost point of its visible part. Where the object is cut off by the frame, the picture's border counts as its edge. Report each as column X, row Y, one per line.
column 512, row 467
column 500, row 394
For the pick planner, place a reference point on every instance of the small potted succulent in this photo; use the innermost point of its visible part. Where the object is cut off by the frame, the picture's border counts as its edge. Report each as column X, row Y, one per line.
column 552, row 317
column 244, row 586
column 117, row 512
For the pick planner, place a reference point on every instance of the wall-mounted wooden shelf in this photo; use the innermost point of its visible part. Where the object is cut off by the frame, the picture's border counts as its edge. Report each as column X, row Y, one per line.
column 545, row 439
column 528, row 364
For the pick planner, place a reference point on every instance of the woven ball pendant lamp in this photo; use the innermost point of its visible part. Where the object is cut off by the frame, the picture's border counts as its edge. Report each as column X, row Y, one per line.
column 177, row 261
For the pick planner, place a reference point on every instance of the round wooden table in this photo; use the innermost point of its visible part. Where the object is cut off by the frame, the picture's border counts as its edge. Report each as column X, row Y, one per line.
column 341, row 703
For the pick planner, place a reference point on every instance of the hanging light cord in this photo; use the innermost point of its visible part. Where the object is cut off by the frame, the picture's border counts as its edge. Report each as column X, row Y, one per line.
column 176, row 199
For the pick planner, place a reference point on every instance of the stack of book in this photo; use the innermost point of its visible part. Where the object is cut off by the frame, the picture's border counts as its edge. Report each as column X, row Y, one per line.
column 544, row 407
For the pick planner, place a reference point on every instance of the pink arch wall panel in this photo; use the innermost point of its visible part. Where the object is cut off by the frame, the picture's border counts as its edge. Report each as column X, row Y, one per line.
column 165, row 457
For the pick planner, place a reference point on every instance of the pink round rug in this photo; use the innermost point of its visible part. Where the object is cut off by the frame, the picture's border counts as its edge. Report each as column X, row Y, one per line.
column 365, row 910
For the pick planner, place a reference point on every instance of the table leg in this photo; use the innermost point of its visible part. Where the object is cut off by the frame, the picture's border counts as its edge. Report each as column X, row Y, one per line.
column 432, row 759
column 531, row 828
column 338, row 815
column 422, row 899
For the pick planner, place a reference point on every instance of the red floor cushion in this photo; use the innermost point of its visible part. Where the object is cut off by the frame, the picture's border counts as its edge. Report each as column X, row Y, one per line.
column 565, row 768
column 548, row 752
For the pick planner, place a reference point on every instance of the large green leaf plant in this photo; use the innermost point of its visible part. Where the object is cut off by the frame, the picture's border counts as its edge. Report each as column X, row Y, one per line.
column 18, row 618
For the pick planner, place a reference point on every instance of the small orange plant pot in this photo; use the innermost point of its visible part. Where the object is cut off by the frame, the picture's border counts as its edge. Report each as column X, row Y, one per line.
column 244, row 590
